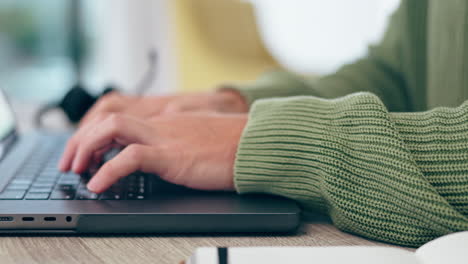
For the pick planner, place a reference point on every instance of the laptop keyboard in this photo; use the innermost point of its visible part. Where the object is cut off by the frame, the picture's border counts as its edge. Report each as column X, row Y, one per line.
column 39, row 179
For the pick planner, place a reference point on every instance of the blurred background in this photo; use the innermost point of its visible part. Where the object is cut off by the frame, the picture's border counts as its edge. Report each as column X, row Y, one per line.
column 48, row 45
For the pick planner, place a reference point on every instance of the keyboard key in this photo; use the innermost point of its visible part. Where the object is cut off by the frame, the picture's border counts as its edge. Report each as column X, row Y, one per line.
column 37, row 196
column 84, row 180
column 137, row 197
column 12, row 195
column 141, row 178
column 70, row 176
column 43, row 185
column 21, row 181
column 49, row 174
column 86, row 195
column 46, row 179
column 46, row 174
column 31, row 169
column 66, row 181
column 110, row 196
column 131, row 177
column 82, row 187
column 41, row 190
column 25, row 177
column 13, row 187
column 116, row 187
column 66, row 187
column 62, row 195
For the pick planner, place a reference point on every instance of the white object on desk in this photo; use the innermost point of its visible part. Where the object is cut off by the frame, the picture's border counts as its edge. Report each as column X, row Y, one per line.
column 449, row 249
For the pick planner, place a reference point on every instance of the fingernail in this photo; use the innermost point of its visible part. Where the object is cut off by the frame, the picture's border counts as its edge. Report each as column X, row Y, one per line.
column 92, row 186
column 74, row 165
column 62, row 166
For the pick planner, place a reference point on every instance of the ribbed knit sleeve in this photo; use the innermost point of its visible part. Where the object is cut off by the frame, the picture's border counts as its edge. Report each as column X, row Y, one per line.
column 395, row 177
column 382, row 72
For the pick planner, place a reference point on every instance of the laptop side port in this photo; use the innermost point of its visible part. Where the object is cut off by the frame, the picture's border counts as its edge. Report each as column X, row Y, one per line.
column 50, row 218
column 28, row 219
column 6, row 218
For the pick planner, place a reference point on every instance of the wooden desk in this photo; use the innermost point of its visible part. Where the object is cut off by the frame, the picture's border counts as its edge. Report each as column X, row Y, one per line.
column 154, row 248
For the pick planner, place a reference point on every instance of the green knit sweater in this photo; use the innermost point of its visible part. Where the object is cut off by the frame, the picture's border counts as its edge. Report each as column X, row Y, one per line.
column 361, row 144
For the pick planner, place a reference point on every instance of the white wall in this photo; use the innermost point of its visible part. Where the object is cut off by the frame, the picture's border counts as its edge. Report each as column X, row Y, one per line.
column 305, row 36
column 317, row 36
column 124, row 32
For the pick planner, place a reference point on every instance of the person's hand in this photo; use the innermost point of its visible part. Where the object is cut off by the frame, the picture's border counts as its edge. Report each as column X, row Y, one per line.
column 196, row 150
column 226, row 101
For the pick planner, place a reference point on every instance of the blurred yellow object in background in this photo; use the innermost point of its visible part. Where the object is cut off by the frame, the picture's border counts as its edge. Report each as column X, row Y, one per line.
column 217, row 41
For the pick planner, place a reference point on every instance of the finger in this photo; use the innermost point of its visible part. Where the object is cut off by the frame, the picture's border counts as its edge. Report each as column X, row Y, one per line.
column 74, row 141
column 141, row 107
column 109, row 103
column 133, row 158
column 179, row 106
column 98, row 155
column 189, row 104
column 124, row 130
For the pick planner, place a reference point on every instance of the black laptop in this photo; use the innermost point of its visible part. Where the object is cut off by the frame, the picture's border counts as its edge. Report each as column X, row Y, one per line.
column 36, row 197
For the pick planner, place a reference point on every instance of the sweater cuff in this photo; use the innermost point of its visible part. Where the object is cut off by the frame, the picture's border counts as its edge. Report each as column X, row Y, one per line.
column 270, row 84
column 282, row 147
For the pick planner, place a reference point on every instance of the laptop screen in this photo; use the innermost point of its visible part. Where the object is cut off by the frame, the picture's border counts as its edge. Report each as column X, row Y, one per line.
column 7, row 119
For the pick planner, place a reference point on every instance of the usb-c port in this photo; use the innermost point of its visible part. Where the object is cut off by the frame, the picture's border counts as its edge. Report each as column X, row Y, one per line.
column 50, row 218
column 6, row 218
column 28, row 219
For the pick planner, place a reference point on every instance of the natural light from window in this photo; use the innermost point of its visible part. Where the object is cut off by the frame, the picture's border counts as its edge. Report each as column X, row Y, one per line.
column 316, row 36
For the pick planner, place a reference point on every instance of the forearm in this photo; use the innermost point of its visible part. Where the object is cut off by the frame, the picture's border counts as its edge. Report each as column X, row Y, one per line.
column 346, row 157
column 365, row 75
